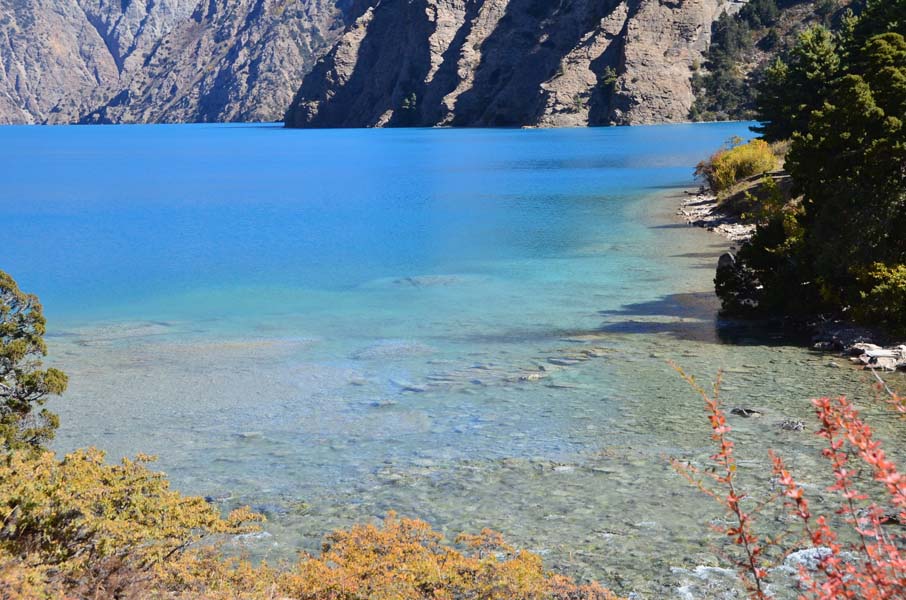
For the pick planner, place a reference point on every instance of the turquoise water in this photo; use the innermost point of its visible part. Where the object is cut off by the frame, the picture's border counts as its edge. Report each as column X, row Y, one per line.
column 469, row 327
column 125, row 220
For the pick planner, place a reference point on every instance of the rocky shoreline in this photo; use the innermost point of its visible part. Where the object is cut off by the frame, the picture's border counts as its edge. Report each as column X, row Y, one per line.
column 701, row 209
column 865, row 347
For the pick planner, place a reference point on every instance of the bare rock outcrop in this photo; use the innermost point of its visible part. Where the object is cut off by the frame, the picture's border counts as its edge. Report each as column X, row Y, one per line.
column 509, row 63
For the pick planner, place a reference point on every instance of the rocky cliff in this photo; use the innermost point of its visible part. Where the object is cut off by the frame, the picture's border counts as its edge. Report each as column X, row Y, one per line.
column 509, row 63
column 162, row 60
column 390, row 62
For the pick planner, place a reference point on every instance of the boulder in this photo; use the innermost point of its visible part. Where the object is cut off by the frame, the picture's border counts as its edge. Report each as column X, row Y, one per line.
column 881, row 353
column 726, row 261
column 863, row 348
column 746, row 412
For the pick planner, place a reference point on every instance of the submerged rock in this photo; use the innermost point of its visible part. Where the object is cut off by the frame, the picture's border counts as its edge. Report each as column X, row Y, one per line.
column 746, row 412
column 792, row 425
column 382, row 403
column 535, row 376
column 428, row 280
column 564, row 362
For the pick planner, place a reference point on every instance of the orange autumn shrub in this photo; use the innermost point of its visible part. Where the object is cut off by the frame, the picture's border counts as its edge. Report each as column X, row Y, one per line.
column 91, row 529
column 405, row 559
column 879, row 572
column 402, row 559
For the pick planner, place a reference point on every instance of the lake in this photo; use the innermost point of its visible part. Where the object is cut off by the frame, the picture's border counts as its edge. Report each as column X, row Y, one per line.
column 466, row 326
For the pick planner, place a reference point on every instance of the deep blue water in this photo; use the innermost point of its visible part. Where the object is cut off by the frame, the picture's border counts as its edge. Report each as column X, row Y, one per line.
column 115, row 215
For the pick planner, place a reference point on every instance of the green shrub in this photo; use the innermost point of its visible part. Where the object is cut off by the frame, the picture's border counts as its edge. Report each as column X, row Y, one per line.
column 728, row 166
column 883, row 299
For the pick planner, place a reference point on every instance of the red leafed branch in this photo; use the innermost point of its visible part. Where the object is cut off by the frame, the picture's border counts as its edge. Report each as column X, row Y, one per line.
column 871, row 564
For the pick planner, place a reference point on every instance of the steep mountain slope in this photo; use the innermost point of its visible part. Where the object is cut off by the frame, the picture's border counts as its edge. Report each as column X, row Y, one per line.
column 167, row 60
column 509, row 63
column 234, row 60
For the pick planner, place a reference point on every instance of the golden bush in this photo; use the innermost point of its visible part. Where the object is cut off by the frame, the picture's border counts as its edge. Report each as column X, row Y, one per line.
column 82, row 528
column 730, row 165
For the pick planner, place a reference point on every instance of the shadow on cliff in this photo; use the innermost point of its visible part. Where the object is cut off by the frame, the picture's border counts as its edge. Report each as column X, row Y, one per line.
column 524, row 50
column 603, row 99
column 391, row 64
column 393, row 60
column 446, row 79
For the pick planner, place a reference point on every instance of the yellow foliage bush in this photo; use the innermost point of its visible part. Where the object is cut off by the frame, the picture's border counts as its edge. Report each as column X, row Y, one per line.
column 730, row 165
column 81, row 524
column 81, row 528
column 405, row 559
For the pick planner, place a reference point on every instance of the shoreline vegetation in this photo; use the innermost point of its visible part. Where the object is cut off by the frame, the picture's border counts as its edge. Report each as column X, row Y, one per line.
column 817, row 204
column 869, row 348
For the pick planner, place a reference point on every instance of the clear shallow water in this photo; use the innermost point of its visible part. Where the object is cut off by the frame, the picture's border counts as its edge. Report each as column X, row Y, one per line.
column 470, row 327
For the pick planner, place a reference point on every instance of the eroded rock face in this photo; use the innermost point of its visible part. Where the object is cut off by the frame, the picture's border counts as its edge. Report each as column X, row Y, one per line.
column 509, row 63
column 164, row 61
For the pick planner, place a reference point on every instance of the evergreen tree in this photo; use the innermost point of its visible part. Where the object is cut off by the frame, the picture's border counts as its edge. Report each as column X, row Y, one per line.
column 24, row 385
column 793, row 89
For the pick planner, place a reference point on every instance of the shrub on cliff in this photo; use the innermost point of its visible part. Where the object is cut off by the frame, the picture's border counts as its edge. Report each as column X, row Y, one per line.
column 24, row 385
column 884, row 295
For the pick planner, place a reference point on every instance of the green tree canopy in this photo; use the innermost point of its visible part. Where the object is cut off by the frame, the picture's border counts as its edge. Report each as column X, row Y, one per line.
column 851, row 168
column 793, row 89
column 878, row 16
column 24, row 384
column 842, row 244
